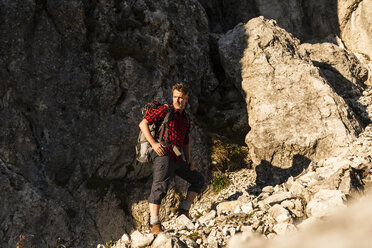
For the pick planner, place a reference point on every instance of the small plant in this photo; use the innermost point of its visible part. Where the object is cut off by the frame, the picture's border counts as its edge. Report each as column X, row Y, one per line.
column 227, row 156
column 110, row 243
column 198, row 214
column 194, row 236
column 221, row 181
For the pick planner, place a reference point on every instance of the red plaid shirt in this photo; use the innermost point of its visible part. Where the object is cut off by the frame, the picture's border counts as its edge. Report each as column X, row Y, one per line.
column 178, row 129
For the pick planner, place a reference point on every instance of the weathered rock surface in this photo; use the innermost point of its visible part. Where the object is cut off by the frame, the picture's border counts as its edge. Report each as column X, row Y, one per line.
column 344, row 72
column 355, row 25
column 292, row 110
column 74, row 77
column 307, row 19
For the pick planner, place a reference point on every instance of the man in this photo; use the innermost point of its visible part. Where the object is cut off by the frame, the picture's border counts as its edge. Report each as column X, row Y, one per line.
column 167, row 160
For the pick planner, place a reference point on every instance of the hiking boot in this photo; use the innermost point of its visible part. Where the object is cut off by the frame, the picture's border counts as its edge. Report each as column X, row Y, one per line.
column 184, row 212
column 156, row 229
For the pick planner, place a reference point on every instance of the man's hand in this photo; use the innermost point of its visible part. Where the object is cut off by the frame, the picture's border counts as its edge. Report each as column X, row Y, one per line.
column 192, row 167
column 159, row 149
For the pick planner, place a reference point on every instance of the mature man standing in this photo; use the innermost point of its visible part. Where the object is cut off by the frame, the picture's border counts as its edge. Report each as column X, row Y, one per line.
column 167, row 160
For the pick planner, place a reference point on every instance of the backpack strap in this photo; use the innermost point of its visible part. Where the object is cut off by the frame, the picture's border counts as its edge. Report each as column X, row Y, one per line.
column 164, row 125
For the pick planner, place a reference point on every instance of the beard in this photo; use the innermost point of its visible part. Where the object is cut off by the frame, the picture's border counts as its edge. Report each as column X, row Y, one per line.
column 178, row 106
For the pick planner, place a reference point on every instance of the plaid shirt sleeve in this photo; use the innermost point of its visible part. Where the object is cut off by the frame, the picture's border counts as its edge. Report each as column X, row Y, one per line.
column 157, row 115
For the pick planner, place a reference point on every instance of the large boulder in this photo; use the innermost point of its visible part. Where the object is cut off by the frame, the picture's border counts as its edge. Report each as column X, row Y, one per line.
column 292, row 109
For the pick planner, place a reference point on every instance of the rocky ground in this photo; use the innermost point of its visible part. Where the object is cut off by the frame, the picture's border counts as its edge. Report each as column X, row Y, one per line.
column 270, row 211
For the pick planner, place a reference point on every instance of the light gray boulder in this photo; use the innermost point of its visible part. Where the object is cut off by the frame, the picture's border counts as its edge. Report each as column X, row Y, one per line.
column 294, row 114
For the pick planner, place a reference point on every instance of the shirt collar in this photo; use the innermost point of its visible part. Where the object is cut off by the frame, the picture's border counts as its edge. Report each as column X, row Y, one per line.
column 177, row 110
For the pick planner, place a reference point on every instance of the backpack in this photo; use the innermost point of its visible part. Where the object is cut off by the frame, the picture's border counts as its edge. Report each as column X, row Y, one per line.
column 143, row 147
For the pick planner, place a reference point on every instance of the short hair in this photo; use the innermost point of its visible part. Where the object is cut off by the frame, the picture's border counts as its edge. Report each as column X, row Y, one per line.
column 182, row 88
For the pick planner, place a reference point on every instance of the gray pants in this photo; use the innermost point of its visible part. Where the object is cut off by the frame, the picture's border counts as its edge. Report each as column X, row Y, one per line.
column 164, row 169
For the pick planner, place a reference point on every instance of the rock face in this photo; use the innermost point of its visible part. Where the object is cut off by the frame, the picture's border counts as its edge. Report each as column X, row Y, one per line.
column 293, row 112
column 74, row 77
column 344, row 72
column 355, row 25
column 305, row 19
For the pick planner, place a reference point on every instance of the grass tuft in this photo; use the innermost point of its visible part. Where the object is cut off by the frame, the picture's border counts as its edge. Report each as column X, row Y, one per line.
column 110, row 243
column 221, row 181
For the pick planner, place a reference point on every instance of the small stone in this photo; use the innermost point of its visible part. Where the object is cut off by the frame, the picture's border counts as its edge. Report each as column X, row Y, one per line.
column 263, row 206
column 212, row 236
column 232, row 231
column 225, row 230
column 226, row 207
column 123, row 242
column 189, row 242
column 237, row 209
column 141, row 239
column 184, row 222
column 284, row 229
column 279, row 213
column 162, row 241
column 288, row 204
column 277, row 188
column 203, row 220
column 247, row 208
column 278, row 198
column 268, row 189
column 298, row 209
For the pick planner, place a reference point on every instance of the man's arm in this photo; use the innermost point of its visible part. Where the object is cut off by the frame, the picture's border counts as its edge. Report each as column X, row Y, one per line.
column 157, row 147
column 187, row 152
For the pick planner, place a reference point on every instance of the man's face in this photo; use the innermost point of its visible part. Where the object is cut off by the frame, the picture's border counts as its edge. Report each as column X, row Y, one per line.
column 179, row 100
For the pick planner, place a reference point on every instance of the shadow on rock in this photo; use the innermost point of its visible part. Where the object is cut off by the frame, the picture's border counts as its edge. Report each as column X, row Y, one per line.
column 270, row 175
column 349, row 91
